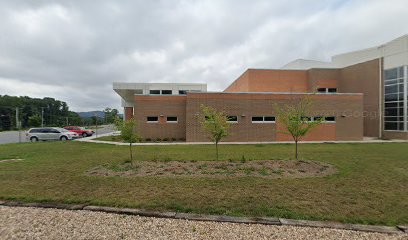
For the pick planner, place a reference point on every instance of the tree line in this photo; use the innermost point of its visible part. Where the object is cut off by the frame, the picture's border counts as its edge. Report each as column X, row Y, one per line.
column 25, row 112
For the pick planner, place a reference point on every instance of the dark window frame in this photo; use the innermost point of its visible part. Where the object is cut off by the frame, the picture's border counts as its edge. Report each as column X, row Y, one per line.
column 263, row 119
column 152, row 121
column 172, row 121
column 166, row 92
column 154, row 92
column 232, row 119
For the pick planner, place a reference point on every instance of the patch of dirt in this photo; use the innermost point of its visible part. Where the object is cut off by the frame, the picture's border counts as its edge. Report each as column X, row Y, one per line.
column 255, row 168
column 11, row 160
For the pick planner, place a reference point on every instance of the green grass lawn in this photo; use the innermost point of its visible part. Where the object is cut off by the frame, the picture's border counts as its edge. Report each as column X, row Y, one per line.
column 371, row 185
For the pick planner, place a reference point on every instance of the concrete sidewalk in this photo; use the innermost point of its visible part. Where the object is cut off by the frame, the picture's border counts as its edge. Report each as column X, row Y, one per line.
column 92, row 140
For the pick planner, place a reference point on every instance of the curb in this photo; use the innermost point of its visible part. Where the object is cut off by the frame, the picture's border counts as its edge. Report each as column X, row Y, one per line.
column 91, row 140
column 401, row 229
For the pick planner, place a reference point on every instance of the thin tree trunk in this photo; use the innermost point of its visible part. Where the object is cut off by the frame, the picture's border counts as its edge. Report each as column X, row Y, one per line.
column 131, row 155
column 296, row 150
column 216, row 149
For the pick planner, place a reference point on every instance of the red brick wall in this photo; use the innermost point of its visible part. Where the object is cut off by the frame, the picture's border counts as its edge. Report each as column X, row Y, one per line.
column 128, row 113
column 323, row 78
column 349, row 127
column 265, row 80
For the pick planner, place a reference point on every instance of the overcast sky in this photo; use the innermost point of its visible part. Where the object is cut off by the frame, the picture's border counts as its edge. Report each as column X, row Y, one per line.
column 74, row 50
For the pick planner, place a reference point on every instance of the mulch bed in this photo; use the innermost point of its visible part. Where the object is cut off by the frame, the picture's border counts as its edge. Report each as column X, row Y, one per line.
column 254, row 168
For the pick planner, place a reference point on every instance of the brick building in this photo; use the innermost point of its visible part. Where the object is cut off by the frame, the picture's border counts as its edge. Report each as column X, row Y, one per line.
column 361, row 93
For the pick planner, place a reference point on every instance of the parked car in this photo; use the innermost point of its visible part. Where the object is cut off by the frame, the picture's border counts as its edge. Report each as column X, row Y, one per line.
column 80, row 131
column 50, row 133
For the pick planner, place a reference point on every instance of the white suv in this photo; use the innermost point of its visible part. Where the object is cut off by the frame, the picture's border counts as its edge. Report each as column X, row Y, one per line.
column 52, row 133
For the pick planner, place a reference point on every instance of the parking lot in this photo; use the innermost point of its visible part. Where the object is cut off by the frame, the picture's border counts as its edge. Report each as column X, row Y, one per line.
column 16, row 136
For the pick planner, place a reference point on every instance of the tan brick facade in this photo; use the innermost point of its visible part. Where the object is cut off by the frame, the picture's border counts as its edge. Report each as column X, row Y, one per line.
column 365, row 78
column 161, row 107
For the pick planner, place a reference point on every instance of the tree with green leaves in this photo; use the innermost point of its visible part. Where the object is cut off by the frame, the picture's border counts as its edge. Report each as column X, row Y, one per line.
column 128, row 133
column 110, row 115
column 296, row 118
column 34, row 120
column 215, row 124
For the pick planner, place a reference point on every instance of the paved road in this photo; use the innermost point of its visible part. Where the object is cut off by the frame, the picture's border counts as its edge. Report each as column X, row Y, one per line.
column 13, row 136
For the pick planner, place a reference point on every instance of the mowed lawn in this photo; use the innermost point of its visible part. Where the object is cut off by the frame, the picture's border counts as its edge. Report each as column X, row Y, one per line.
column 371, row 185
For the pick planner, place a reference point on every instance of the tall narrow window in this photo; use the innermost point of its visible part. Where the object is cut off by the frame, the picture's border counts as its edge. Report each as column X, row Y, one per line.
column 394, row 99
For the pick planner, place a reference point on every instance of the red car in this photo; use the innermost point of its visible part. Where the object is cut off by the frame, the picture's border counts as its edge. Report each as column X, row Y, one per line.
column 80, row 130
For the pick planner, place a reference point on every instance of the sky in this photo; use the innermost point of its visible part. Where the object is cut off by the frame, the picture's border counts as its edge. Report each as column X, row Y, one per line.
column 74, row 50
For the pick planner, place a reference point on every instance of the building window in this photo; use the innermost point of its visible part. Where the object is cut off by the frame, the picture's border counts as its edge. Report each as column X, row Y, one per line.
column 162, row 92
column 332, row 90
column 263, row 119
column 330, row 119
column 232, row 119
column 171, row 119
column 166, row 92
column 182, row 92
column 152, row 119
column 327, row 90
column 394, row 99
column 154, row 91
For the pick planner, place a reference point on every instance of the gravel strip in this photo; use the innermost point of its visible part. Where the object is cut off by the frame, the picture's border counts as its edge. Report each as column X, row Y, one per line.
column 37, row 223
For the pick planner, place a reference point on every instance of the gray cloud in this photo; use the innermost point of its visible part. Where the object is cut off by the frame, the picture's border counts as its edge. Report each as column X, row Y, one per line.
column 74, row 50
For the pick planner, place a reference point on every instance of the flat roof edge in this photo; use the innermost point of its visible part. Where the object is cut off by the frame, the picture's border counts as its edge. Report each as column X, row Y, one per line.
column 277, row 93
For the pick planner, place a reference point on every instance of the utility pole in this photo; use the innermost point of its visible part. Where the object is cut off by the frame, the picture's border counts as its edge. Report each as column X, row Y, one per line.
column 16, row 117
column 42, row 117
column 18, row 125
column 96, row 126
column 67, row 121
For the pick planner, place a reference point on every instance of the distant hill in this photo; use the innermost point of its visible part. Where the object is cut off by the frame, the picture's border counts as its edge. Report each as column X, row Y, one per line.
column 99, row 114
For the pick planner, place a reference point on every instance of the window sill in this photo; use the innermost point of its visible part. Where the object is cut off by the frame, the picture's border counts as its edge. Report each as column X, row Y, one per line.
column 263, row 122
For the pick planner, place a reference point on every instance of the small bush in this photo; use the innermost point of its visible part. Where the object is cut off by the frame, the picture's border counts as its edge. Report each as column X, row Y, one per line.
column 173, row 139
column 158, row 139
column 148, row 139
column 182, row 139
column 165, row 139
